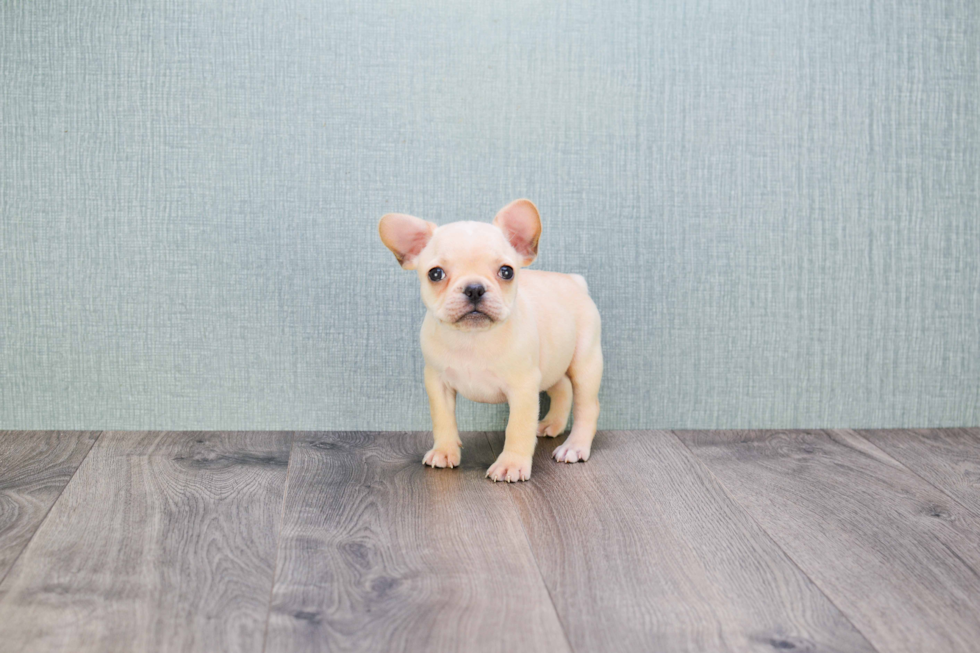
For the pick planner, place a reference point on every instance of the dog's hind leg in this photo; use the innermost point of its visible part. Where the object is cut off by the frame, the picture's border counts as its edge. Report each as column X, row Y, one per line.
column 586, row 376
column 556, row 420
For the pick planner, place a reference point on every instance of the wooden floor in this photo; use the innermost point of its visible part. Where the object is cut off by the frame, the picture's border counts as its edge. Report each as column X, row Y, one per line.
column 663, row 541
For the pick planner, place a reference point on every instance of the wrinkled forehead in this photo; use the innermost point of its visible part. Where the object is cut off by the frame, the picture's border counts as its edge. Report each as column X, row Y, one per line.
column 469, row 240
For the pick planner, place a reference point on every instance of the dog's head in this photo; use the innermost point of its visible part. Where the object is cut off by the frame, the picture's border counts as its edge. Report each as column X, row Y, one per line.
column 469, row 270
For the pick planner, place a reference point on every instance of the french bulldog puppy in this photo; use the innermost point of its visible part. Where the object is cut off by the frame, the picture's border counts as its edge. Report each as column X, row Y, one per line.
column 495, row 332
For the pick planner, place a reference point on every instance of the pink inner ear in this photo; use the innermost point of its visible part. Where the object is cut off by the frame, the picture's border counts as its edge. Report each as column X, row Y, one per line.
column 521, row 225
column 405, row 235
column 519, row 240
column 411, row 240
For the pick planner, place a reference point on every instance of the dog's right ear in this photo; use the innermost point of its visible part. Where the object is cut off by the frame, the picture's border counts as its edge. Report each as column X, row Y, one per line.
column 405, row 236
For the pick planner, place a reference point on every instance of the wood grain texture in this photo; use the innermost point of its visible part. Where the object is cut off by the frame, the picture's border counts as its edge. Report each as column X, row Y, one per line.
column 947, row 458
column 898, row 556
column 379, row 553
column 642, row 550
column 160, row 542
column 34, row 468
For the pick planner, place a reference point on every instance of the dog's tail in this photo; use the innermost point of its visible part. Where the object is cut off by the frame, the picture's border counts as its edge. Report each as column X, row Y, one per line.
column 580, row 280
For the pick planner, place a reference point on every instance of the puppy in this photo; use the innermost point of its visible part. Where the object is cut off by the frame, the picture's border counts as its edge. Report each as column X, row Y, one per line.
column 496, row 332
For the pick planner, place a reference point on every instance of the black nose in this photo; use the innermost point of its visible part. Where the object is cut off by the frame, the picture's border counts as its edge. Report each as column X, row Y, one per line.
column 475, row 292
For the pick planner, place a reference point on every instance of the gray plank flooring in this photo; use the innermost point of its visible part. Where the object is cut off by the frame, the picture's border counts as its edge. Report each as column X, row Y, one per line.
column 379, row 553
column 643, row 540
column 666, row 541
column 160, row 542
column 34, row 468
column 898, row 556
column 947, row 458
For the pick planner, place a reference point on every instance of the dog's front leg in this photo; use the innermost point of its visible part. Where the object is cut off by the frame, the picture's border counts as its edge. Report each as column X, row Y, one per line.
column 445, row 451
column 514, row 462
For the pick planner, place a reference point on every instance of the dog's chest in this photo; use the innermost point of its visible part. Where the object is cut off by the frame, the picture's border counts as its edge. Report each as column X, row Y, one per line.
column 476, row 384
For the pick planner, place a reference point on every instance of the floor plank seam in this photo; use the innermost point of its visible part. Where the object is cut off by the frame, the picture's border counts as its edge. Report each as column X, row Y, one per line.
column 911, row 471
column 20, row 553
column 534, row 557
column 762, row 528
column 952, row 552
column 275, row 563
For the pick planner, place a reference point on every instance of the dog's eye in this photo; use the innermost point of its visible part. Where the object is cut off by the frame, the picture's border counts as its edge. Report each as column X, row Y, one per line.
column 506, row 272
column 437, row 274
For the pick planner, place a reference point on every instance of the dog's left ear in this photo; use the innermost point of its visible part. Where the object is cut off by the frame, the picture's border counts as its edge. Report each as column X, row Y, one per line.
column 521, row 224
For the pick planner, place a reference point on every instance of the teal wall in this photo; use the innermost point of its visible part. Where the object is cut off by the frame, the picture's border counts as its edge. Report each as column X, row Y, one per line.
column 776, row 205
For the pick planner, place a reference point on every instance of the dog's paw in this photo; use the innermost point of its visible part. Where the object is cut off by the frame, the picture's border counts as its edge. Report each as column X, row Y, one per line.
column 571, row 452
column 510, row 467
column 549, row 428
column 442, row 457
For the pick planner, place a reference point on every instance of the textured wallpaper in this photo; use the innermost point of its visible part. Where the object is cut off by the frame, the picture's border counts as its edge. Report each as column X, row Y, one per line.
column 776, row 205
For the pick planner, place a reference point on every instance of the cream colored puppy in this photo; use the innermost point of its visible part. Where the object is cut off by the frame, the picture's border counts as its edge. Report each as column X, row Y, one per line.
column 495, row 332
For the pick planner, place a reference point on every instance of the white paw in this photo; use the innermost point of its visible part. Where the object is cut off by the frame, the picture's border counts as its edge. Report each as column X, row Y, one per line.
column 510, row 467
column 442, row 457
column 571, row 452
column 549, row 428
